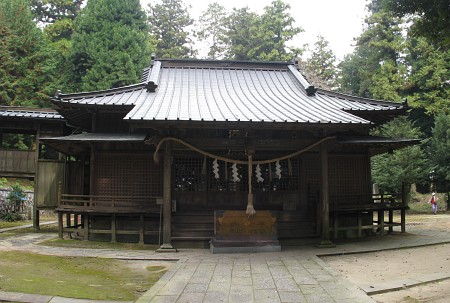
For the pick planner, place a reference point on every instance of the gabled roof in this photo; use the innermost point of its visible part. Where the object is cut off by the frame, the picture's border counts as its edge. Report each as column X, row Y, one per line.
column 231, row 91
column 29, row 113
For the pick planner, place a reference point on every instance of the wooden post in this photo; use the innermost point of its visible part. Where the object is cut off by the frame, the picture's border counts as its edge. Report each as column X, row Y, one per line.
column 359, row 218
column 381, row 221
column 391, row 220
column 36, row 176
column 403, row 219
column 113, row 228
column 59, row 197
column 141, row 229
column 325, row 197
column 167, row 201
column 60, row 225
column 86, row 226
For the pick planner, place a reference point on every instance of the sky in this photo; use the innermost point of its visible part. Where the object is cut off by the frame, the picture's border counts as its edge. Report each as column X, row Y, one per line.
column 338, row 21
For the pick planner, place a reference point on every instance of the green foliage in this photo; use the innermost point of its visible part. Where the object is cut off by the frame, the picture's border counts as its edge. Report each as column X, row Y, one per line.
column 428, row 84
column 9, row 211
column 375, row 69
column 111, row 45
column 276, row 29
column 169, row 21
column 431, row 18
column 439, row 147
column 320, row 68
column 262, row 38
column 51, row 11
column 27, row 64
column 407, row 165
column 58, row 18
column 242, row 27
column 213, row 30
column 18, row 141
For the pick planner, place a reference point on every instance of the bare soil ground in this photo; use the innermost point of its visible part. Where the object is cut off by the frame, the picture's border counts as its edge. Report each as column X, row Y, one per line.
column 385, row 266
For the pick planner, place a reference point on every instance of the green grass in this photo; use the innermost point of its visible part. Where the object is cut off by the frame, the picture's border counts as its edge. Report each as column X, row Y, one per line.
column 4, row 224
column 74, row 277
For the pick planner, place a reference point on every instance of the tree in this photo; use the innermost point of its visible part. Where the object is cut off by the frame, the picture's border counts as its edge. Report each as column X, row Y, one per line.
column 320, row 67
column 439, row 148
column 57, row 17
column 27, row 62
column 428, row 83
column 408, row 165
column 376, row 69
column 242, row 27
column 265, row 37
column 50, row 11
column 111, row 45
column 168, row 26
column 212, row 28
column 276, row 29
column 431, row 18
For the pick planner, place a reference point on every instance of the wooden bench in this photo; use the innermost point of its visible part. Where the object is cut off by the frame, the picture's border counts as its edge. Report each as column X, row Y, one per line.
column 364, row 209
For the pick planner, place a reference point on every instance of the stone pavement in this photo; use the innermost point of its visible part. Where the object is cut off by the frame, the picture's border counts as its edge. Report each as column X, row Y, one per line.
column 296, row 274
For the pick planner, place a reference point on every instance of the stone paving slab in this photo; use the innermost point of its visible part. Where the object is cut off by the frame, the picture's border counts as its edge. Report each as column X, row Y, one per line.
column 296, row 274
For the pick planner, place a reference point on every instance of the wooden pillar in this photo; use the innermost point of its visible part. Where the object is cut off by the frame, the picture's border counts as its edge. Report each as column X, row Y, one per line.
column 406, row 191
column 36, row 176
column 325, row 197
column 92, row 172
column 167, row 201
column 85, row 219
column 141, row 229
column 60, row 225
column 391, row 220
column 113, row 228
column 381, row 221
column 403, row 219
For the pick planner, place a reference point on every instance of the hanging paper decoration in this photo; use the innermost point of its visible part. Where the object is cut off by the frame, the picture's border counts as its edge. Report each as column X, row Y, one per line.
column 216, row 169
column 278, row 169
column 234, row 171
column 259, row 178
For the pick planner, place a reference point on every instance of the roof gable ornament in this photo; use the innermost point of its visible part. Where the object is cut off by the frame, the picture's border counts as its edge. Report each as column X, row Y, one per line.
column 153, row 76
column 309, row 89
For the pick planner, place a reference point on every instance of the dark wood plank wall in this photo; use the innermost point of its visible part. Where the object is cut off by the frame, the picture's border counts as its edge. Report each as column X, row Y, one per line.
column 17, row 163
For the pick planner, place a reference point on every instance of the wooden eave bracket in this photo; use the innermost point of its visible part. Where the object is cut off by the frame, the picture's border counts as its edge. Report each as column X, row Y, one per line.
column 153, row 77
column 309, row 89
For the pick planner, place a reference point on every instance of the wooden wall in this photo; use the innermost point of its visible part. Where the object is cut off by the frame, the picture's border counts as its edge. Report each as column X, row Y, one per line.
column 17, row 163
column 50, row 173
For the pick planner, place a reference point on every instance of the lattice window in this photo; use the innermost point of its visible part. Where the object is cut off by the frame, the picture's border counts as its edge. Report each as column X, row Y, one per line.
column 189, row 174
column 127, row 175
column 225, row 181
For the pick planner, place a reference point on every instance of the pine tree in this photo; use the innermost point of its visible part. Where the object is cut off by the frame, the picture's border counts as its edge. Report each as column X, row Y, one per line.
column 212, row 28
column 408, row 165
column 320, row 67
column 265, row 37
column 375, row 69
column 27, row 63
column 111, row 45
column 428, row 82
column 242, row 25
column 168, row 26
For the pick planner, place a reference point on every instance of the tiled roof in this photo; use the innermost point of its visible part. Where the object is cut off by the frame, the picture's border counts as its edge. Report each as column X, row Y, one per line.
column 30, row 113
column 197, row 90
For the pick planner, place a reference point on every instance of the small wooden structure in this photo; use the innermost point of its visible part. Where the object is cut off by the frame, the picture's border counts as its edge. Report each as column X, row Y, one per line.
column 40, row 163
column 153, row 161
